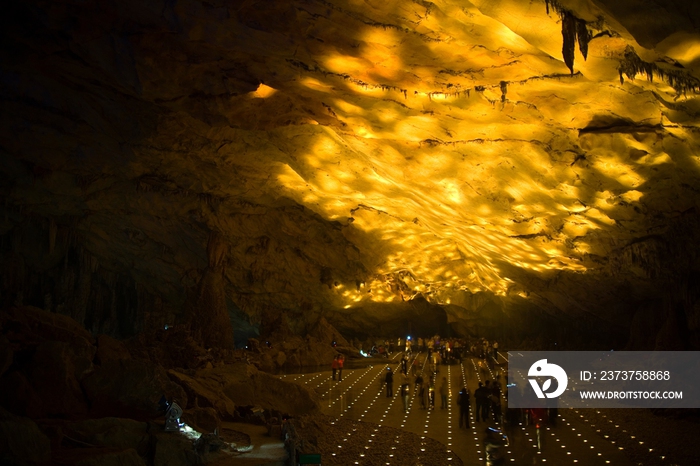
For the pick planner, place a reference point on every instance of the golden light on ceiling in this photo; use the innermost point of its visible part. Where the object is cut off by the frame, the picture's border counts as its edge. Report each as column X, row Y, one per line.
column 456, row 176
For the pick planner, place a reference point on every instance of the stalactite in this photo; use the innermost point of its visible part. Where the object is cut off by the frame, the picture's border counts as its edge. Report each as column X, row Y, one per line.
column 573, row 30
column 568, row 32
column 584, row 37
column 631, row 65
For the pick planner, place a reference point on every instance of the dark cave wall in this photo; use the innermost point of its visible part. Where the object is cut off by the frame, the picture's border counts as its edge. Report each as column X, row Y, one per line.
column 45, row 264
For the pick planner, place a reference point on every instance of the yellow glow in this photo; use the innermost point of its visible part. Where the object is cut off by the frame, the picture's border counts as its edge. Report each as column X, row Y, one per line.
column 347, row 107
column 441, row 185
column 316, row 85
column 632, row 196
column 263, row 91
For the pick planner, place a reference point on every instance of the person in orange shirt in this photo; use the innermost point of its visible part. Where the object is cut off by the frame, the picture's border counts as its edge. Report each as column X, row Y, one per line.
column 341, row 361
column 334, row 366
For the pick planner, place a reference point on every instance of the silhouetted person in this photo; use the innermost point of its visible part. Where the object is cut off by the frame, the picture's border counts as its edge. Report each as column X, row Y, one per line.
column 419, row 381
column 405, row 391
column 464, row 404
column 443, row 393
column 389, row 379
column 481, row 398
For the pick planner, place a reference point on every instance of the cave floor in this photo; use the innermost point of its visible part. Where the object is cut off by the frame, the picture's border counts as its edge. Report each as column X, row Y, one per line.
column 588, row 436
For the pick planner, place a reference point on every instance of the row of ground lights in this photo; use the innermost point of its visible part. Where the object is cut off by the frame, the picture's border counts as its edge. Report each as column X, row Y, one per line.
column 472, row 419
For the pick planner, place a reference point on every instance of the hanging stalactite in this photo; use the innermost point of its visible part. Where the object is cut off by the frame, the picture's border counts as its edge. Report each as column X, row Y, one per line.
column 584, row 37
column 573, row 30
column 568, row 32
column 631, row 65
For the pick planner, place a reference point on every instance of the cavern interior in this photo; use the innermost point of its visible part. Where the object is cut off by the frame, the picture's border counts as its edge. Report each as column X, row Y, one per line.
column 204, row 202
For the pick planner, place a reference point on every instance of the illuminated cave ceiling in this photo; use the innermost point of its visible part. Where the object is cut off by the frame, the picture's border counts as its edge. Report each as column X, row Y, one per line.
column 355, row 152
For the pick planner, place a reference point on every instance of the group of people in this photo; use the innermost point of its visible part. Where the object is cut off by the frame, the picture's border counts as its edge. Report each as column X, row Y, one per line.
column 484, row 349
column 440, row 351
column 405, row 387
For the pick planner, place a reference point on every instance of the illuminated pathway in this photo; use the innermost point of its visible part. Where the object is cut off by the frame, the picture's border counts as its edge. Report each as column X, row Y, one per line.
column 361, row 395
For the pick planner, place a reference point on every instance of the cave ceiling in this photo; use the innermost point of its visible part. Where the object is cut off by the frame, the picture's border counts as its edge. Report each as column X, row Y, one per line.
column 354, row 153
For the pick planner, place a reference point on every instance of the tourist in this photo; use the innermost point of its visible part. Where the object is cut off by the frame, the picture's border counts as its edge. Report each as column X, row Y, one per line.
column 405, row 390
column 341, row 362
column 424, row 392
column 389, row 379
column 334, row 366
column 443, row 393
column 480, row 398
column 464, row 404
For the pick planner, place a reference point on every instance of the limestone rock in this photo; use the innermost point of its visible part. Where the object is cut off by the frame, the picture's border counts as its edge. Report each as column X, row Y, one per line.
column 300, row 352
column 325, row 332
column 19, row 397
column 34, row 325
column 205, row 420
column 247, row 386
column 130, row 388
column 109, row 349
column 119, row 433
column 113, row 458
column 172, row 348
column 21, row 441
column 53, row 372
column 205, row 393
column 173, row 448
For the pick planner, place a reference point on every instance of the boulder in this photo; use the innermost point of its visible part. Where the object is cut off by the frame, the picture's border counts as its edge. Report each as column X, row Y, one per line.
column 309, row 351
column 21, row 441
column 113, row 458
column 122, row 434
column 247, row 386
column 52, row 373
column 171, row 448
column 19, row 397
column 30, row 325
column 326, row 334
column 110, row 349
column 205, row 393
column 208, row 446
column 204, row 420
column 130, row 388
